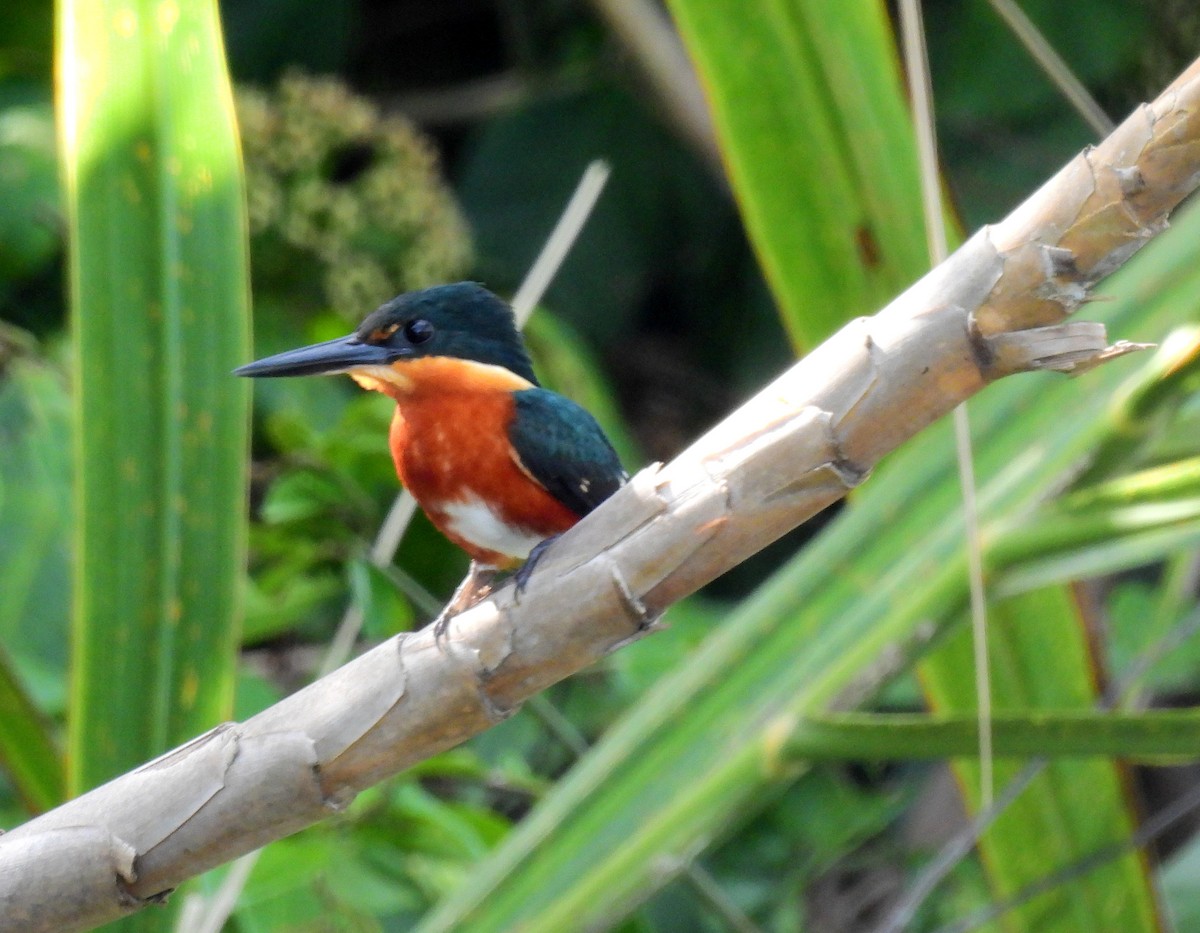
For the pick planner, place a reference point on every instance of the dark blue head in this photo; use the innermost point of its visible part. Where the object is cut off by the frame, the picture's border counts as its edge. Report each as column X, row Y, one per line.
column 464, row 321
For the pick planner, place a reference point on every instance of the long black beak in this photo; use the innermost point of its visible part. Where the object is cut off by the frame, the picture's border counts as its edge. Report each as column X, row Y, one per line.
column 332, row 356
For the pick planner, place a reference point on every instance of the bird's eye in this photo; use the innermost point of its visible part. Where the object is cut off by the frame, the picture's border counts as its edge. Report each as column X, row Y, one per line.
column 418, row 330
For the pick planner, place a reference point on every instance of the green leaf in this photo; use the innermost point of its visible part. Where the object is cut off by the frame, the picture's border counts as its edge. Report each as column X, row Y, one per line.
column 1151, row 643
column 1050, row 825
column 35, row 518
column 1181, row 886
column 1126, row 522
column 28, row 752
column 159, row 296
column 1100, row 557
column 34, row 597
column 814, row 126
column 1049, row 733
column 385, row 610
column 283, row 891
column 301, row 495
column 29, row 236
column 295, row 600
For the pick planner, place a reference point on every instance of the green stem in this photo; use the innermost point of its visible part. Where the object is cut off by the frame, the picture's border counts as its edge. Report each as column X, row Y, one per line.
column 891, row 736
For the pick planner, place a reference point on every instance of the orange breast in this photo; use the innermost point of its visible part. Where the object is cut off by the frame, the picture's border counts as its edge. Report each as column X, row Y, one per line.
column 452, row 453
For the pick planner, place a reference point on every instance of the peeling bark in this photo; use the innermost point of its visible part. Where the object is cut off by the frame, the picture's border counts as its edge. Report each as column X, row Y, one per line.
column 996, row 307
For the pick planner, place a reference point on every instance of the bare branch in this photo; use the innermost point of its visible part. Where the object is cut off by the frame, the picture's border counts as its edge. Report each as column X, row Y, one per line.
column 995, row 307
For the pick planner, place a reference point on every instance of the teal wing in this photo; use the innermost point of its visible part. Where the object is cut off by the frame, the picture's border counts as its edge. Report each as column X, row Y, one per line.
column 561, row 446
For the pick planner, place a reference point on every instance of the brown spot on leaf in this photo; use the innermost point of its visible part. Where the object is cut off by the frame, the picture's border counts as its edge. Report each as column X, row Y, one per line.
column 868, row 246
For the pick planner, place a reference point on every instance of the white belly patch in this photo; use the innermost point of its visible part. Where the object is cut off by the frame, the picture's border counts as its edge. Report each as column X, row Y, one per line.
column 472, row 520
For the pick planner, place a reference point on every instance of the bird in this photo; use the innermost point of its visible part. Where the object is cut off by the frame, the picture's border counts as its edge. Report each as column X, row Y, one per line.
column 499, row 464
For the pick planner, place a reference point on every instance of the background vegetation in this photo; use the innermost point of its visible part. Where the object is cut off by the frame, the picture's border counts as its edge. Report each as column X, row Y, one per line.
column 388, row 145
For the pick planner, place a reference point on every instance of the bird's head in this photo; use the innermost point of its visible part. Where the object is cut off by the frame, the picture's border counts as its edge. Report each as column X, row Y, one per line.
column 415, row 333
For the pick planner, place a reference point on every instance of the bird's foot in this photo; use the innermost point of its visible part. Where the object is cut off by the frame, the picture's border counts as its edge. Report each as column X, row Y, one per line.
column 440, row 624
column 475, row 586
column 522, row 574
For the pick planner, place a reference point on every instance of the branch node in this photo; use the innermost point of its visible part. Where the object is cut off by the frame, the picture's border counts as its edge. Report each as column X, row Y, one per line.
column 644, row 619
column 1064, row 281
column 494, row 711
column 1130, row 180
column 159, row 897
column 1059, row 262
column 848, row 472
column 337, row 800
column 125, row 861
column 481, row 658
column 633, row 605
column 1067, row 347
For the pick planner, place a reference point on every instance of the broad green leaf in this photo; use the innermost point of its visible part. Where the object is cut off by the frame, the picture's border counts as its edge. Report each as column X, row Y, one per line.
column 811, row 115
column 1040, row 660
column 159, row 301
column 1116, row 525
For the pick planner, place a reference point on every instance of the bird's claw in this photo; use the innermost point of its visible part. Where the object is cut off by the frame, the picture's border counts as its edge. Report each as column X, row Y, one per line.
column 474, row 587
column 522, row 574
column 440, row 625
column 478, row 584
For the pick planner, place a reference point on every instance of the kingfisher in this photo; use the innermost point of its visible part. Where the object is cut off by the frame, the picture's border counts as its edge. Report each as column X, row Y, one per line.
column 500, row 465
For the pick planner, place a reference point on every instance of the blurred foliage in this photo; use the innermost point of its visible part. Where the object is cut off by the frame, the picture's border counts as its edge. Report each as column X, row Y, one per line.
column 30, row 220
column 28, row 189
column 1001, row 123
column 35, row 515
column 345, row 204
column 659, row 322
column 35, row 471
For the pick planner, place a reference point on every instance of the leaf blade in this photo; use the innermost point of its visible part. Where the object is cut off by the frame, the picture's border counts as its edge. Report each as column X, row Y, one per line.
column 157, row 272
